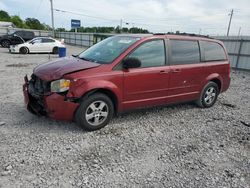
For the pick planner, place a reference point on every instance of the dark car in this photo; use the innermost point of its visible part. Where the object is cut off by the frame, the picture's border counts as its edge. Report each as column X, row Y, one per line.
column 126, row 72
column 17, row 37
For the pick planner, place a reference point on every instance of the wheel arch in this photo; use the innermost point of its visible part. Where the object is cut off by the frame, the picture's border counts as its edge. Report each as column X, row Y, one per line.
column 24, row 47
column 216, row 78
column 105, row 91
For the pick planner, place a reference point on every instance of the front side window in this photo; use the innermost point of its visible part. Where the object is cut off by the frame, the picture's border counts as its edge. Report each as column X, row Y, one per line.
column 36, row 41
column 108, row 50
column 151, row 54
column 213, row 51
column 184, row 52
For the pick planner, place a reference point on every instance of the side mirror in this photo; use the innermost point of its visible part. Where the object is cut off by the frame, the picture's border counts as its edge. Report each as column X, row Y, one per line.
column 131, row 62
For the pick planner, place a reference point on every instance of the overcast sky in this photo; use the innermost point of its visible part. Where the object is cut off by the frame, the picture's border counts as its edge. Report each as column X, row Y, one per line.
column 193, row 16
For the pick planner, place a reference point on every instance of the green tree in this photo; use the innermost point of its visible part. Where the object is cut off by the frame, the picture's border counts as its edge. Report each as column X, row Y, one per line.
column 125, row 30
column 34, row 23
column 117, row 29
column 138, row 30
column 61, row 29
column 4, row 16
column 17, row 21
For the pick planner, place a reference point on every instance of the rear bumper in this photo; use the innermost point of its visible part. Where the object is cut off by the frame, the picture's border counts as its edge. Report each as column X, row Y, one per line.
column 226, row 84
column 54, row 106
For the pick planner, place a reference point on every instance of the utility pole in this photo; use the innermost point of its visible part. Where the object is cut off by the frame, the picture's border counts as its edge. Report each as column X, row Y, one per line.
column 229, row 24
column 239, row 31
column 200, row 31
column 52, row 18
column 121, row 26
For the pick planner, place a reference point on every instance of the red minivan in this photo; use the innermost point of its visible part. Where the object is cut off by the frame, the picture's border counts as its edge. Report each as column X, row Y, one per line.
column 126, row 72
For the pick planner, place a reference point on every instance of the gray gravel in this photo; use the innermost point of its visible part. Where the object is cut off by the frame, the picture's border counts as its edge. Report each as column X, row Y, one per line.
column 174, row 146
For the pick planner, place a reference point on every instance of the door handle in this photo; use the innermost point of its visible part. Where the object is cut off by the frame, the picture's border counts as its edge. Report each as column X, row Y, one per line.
column 176, row 70
column 164, row 72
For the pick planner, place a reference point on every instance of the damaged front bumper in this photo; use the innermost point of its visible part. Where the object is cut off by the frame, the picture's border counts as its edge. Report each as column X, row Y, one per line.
column 53, row 105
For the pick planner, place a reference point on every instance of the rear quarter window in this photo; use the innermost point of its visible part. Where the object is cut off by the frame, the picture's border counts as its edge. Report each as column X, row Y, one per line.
column 213, row 51
column 184, row 52
column 45, row 40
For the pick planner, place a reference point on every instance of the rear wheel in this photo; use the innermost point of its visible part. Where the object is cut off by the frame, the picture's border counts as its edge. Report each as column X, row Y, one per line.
column 209, row 95
column 5, row 43
column 24, row 50
column 55, row 50
column 94, row 112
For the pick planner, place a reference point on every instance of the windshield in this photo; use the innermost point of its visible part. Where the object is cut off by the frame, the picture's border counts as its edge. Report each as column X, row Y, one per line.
column 107, row 50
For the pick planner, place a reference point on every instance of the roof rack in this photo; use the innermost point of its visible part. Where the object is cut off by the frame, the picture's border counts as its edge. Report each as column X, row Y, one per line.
column 183, row 34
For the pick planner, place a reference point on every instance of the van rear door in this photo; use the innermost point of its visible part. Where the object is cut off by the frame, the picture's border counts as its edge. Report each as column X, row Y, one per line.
column 186, row 70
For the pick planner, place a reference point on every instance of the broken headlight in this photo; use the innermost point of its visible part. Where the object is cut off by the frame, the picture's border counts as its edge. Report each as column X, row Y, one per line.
column 59, row 86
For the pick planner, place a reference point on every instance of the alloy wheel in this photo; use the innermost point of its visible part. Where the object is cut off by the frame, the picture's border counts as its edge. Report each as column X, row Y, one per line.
column 210, row 95
column 96, row 113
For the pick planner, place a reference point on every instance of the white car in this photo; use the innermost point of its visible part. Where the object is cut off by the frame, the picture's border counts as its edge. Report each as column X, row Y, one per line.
column 37, row 45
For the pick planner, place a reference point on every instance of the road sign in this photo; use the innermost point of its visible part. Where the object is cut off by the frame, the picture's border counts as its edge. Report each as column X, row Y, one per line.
column 75, row 24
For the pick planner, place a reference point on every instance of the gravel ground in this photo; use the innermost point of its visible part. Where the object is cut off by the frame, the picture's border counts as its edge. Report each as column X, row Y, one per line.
column 174, row 146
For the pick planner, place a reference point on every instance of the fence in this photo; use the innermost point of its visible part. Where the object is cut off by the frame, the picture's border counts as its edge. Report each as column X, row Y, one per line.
column 238, row 47
column 238, row 50
column 80, row 39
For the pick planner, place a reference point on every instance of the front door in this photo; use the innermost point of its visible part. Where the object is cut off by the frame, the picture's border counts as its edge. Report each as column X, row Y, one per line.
column 36, row 45
column 147, row 85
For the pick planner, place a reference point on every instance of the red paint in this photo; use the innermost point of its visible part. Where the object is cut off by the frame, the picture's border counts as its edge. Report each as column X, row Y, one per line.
column 56, row 69
column 133, row 88
column 58, row 108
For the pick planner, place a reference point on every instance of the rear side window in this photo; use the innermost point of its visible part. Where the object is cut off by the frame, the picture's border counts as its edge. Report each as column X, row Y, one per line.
column 212, row 51
column 184, row 52
column 19, row 33
column 151, row 54
column 29, row 34
column 47, row 40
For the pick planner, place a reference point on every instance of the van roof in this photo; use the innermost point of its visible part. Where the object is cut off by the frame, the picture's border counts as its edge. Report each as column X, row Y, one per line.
column 174, row 35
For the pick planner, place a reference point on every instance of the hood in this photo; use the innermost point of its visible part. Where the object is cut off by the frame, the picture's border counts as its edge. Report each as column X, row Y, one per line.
column 56, row 69
column 4, row 36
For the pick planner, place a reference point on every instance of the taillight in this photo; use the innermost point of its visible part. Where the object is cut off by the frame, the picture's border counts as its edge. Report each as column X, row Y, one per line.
column 229, row 63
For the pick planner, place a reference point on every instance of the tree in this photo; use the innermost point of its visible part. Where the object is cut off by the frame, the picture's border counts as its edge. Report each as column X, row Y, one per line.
column 138, row 30
column 61, row 29
column 125, row 30
column 117, row 29
column 17, row 21
column 34, row 23
column 4, row 16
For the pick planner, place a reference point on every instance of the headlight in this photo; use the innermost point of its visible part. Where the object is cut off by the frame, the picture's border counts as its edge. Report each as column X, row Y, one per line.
column 59, row 86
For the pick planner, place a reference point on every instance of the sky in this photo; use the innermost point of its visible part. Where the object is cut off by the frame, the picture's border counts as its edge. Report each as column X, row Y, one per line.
column 158, row 16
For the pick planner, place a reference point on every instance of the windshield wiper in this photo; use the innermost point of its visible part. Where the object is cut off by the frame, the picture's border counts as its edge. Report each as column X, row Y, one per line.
column 87, row 59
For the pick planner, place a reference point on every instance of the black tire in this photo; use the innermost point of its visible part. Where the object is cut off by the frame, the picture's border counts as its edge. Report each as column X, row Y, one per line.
column 206, row 99
column 23, row 50
column 5, row 43
column 85, row 109
column 55, row 50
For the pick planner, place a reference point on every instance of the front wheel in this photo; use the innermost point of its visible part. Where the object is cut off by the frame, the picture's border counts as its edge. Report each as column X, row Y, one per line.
column 94, row 112
column 24, row 50
column 209, row 95
column 5, row 43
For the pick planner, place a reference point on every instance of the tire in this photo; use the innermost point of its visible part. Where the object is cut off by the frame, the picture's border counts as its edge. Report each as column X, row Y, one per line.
column 24, row 50
column 5, row 43
column 94, row 112
column 55, row 50
column 208, row 96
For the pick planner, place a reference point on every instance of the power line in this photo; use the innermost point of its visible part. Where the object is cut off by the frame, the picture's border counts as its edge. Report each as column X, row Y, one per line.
column 86, row 15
